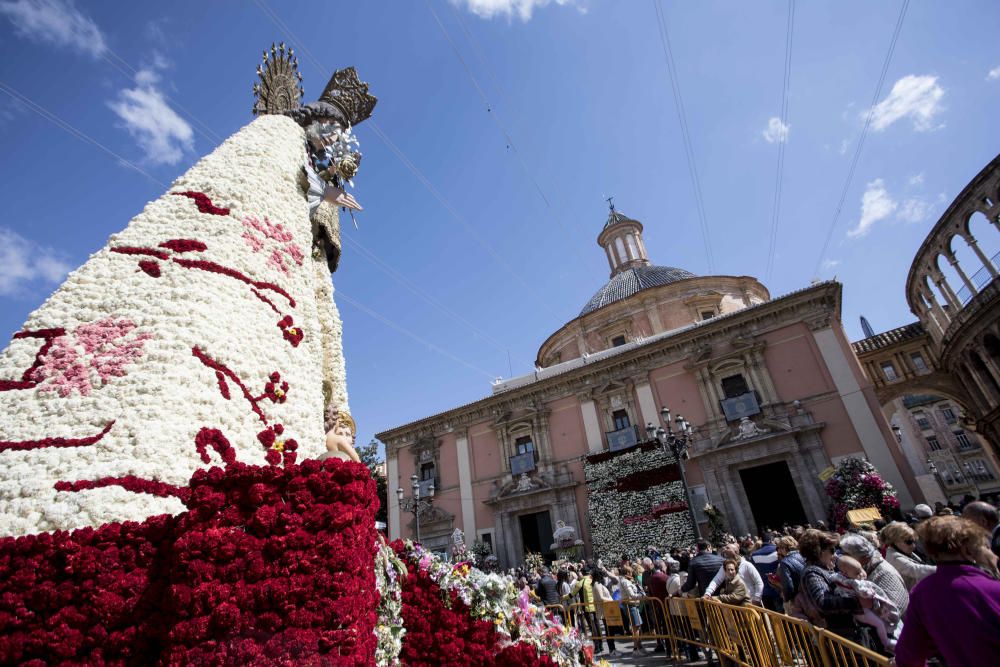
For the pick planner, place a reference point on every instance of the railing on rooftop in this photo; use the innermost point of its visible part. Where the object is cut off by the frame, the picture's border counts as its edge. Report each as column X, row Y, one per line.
column 980, row 279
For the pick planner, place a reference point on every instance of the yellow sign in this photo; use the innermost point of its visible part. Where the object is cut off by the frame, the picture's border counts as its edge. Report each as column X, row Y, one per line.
column 864, row 515
column 693, row 615
column 827, row 474
column 613, row 614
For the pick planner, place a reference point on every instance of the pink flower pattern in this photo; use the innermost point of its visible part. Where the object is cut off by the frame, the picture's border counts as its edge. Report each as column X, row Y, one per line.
column 257, row 234
column 100, row 349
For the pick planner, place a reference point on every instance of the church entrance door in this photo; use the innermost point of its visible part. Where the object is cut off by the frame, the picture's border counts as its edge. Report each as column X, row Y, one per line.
column 536, row 533
column 773, row 498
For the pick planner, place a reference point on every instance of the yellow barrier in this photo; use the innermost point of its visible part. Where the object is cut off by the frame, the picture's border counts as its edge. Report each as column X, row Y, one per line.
column 840, row 652
column 747, row 635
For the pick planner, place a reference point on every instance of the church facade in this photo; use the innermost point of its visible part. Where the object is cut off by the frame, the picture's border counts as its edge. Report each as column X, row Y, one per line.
column 770, row 386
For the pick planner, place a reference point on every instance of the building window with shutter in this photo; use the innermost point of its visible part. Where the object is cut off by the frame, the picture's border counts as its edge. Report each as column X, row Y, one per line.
column 918, row 362
column 922, row 421
column 933, row 443
column 949, row 415
column 524, row 445
column 734, row 385
column 620, row 419
column 889, row 371
column 962, row 438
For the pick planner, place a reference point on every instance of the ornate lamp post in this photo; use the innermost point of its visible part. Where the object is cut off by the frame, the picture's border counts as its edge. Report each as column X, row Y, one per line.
column 416, row 504
column 933, row 469
column 676, row 443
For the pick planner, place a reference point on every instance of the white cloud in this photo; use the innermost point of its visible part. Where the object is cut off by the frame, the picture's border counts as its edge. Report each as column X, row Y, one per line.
column 25, row 262
column 487, row 9
column 876, row 204
column 994, row 74
column 57, row 22
column 161, row 133
column 916, row 97
column 776, row 130
column 916, row 179
column 844, row 145
column 915, row 209
column 830, row 263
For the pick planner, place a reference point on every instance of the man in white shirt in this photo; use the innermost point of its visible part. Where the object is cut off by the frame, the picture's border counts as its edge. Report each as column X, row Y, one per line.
column 748, row 573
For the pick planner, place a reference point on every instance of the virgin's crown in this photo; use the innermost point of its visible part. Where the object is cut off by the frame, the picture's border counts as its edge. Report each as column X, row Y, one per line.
column 349, row 94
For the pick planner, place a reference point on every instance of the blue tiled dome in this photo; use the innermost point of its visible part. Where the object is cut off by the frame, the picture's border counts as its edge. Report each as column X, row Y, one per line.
column 631, row 281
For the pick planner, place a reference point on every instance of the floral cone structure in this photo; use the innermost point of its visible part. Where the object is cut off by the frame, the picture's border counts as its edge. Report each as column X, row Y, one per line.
column 856, row 484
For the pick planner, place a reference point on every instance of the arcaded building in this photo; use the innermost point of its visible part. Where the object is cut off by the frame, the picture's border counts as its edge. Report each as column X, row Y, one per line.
column 952, row 352
column 771, row 386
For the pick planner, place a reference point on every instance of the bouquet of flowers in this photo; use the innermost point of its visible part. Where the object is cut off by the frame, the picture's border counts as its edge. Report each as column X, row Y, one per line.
column 857, row 484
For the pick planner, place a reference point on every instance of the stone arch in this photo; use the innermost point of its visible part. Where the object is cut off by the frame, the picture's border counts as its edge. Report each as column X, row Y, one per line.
column 984, row 374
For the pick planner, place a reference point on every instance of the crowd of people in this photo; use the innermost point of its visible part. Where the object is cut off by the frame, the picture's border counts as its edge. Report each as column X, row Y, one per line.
column 917, row 589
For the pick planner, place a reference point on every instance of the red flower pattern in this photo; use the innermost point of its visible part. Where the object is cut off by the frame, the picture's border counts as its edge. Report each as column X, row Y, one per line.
column 269, row 566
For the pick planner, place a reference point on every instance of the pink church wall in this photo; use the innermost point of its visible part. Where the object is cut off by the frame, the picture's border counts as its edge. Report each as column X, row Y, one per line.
column 795, row 364
column 484, row 452
column 448, row 463
column 839, row 436
column 676, row 388
column 566, row 433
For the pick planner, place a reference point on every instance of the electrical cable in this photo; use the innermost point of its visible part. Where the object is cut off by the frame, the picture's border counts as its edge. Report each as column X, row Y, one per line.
column 341, row 297
column 864, row 135
column 668, row 55
column 782, row 140
column 59, row 122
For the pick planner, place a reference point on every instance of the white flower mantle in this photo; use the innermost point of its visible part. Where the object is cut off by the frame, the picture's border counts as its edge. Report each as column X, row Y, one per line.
column 161, row 397
column 625, row 522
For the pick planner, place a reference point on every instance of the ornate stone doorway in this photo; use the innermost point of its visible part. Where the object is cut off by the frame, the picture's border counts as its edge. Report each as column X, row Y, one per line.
column 774, row 500
column 536, row 533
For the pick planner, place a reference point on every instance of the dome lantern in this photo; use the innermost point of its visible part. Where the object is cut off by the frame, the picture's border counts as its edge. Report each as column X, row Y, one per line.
column 621, row 239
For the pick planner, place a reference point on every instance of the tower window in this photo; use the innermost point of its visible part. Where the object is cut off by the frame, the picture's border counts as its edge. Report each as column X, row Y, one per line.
column 618, row 341
column 707, row 314
column 734, row 385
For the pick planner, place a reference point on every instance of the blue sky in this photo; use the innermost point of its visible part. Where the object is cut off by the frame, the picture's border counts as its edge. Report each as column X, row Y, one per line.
column 488, row 245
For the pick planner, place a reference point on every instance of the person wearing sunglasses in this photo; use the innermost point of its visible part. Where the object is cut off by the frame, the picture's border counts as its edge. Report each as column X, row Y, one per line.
column 900, row 541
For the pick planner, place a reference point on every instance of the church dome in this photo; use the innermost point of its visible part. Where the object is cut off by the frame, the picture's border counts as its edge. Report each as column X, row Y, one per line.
column 631, row 281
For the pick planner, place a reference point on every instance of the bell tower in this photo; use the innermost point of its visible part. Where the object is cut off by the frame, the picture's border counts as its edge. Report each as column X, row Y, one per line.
column 621, row 239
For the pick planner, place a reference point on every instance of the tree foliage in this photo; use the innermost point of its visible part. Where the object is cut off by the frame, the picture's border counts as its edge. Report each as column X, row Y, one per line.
column 370, row 457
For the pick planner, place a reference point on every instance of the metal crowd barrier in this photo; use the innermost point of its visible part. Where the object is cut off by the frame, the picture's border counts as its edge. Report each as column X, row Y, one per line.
column 747, row 635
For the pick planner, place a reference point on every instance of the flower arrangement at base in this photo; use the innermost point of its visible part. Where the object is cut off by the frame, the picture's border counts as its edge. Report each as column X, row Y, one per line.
column 455, row 614
column 856, row 484
column 389, row 572
column 716, row 524
column 269, row 565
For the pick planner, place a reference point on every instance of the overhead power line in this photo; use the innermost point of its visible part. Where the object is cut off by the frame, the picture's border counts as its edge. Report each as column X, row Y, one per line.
column 130, row 72
column 491, row 111
column 668, row 56
column 60, row 123
column 406, row 332
column 408, row 284
column 782, row 140
column 864, row 135
column 372, row 125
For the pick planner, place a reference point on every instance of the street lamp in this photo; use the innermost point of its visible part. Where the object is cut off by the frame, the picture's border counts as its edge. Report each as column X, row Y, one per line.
column 416, row 504
column 971, row 474
column 933, row 469
column 677, row 443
